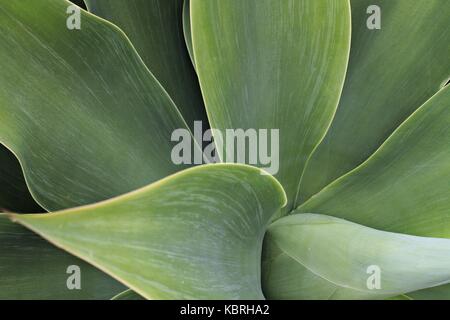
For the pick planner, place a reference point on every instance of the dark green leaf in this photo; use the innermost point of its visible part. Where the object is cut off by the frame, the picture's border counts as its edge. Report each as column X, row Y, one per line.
column 392, row 72
column 14, row 194
column 32, row 268
column 78, row 107
column 155, row 27
column 403, row 187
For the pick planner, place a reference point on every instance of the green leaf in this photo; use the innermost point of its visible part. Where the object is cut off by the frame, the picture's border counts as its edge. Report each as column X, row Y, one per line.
column 89, row 121
column 195, row 235
column 403, row 187
column 127, row 295
column 392, row 72
column 31, row 268
column 187, row 29
column 310, row 256
column 14, row 194
column 401, row 297
column 156, row 30
column 436, row 293
column 266, row 64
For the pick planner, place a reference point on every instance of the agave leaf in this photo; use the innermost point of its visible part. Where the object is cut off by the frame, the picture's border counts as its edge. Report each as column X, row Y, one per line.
column 89, row 121
column 404, row 187
column 266, row 64
column 435, row 293
column 187, row 29
column 401, row 297
column 127, row 295
column 31, row 268
column 392, row 72
column 14, row 194
column 196, row 234
column 156, row 30
column 310, row 256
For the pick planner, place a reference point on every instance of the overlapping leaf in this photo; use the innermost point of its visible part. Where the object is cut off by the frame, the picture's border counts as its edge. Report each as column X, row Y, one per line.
column 127, row 295
column 266, row 64
column 404, row 187
column 14, row 194
column 31, row 268
column 78, row 107
column 187, row 29
column 392, row 71
column 156, row 30
column 435, row 293
column 310, row 256
column 197, row 234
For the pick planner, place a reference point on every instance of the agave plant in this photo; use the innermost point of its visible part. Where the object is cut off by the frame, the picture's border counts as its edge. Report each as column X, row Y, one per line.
column 360, row 205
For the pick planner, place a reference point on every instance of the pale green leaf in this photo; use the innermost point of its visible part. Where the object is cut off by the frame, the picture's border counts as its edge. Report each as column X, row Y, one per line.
column 310, row 256
column 194, row 235
column 266, row 64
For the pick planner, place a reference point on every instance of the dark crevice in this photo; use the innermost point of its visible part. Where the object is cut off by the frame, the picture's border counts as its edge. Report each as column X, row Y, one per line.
column 79, row 3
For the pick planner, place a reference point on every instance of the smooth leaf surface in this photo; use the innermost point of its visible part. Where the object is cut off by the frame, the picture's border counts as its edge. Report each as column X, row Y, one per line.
column 194, row 235
column 155, row 28
column 310, row 256
column 436, row 293
column 392, row 71
column 404, row 187
column 266, row 64
column 127, row 295
column 31, row 268
column 14, row 194
column 88, row 121
column 187, row 29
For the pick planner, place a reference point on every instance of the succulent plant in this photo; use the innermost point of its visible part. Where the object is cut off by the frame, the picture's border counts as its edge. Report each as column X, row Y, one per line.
column 95, row 207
